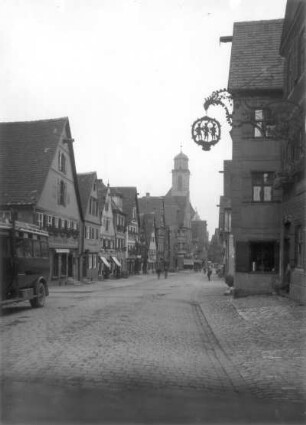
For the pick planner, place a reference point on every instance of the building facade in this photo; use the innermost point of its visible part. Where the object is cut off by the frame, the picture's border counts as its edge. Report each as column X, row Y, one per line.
column 291, row 178
column 90, row 229
column 255, row 82
column 39, row 185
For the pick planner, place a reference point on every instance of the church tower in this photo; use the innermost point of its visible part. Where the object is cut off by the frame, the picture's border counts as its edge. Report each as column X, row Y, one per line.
column 180, row 176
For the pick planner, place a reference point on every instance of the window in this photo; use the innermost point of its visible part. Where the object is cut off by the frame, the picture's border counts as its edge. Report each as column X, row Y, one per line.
column 90, row 261
column 299, row 246
column 263, row 126
column 93, row 206
column 61, row 162
column 44, row 248
column 180, row 183
column 227, row 220
column 106, row 206
column 63, row 224
column 36, row 248
column 262, row 186
column 49, row 220
column 62, row 193
column 40, row 220
column 94, row 261
column 263, row 257
column 256, row 256
column 106, row 224
column 134, row 212
column 56, row 222
column 87, row 232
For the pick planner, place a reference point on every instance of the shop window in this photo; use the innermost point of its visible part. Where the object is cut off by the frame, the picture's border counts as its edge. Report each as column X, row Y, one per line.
column 262, row 186
column 256, row 257
column 262, row 256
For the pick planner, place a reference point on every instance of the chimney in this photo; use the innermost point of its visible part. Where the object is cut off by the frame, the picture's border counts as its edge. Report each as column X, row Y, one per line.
column 147, row 194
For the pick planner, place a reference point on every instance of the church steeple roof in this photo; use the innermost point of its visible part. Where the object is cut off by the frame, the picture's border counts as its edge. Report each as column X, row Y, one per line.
column 181, row 155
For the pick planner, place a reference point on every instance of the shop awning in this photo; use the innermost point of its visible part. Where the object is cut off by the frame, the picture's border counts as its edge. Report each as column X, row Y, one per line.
column 116, row 261
column 104, row 260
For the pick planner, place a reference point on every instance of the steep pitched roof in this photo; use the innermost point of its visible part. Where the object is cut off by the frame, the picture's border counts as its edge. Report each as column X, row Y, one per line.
column 255, row 60
column 129, row 199
column 147, row 221
column 26, row 153
column 85, row 183
column 102, row 191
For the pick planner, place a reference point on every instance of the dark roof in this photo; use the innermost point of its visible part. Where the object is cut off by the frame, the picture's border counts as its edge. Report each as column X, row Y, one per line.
column 129, row 199
column 181, row 155
column 255, row 60
column 102, row 191
column 85, row 183
column 27, row 150
column 147, row 222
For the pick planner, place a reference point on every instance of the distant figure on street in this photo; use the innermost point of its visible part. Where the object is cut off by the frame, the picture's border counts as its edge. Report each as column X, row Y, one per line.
column 158, row 270
column 166, row 271
column 209, row 272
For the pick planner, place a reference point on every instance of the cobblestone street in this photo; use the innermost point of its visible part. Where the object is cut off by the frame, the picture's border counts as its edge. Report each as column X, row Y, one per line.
column 143, row 350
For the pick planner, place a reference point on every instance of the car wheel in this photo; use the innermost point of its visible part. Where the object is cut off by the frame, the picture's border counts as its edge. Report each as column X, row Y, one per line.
column 39, row 300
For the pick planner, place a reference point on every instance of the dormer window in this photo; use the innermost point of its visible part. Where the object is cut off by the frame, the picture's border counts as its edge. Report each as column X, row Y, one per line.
column 62, row 162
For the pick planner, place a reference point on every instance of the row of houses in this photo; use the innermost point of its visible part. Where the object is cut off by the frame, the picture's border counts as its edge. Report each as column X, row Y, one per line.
column 95, row 230
column 262, row 219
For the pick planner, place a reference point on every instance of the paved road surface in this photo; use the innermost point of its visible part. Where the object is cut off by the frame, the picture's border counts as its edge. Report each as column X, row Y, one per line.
column 142, row 350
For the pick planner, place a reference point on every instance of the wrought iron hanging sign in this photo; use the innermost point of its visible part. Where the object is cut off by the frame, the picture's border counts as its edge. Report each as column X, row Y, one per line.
column 206, row 132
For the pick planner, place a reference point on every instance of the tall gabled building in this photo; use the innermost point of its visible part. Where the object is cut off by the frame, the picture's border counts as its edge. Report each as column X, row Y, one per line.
column 131, row 210
column 90, row 230
column 255, row 81
column 39, row 185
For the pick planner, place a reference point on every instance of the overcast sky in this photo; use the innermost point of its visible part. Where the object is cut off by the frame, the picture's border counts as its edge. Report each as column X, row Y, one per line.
column 131, row 76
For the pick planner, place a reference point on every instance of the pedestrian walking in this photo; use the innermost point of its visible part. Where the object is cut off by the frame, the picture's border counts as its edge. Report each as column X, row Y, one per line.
column 209, row 272
column 158, row 270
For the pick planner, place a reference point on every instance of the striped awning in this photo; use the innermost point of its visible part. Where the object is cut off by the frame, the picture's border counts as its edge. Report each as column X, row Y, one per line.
column 116, row 261
column 104, row 260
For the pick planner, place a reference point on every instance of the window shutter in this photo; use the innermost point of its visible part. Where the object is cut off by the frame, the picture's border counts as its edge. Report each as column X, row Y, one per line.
column 242, row 257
